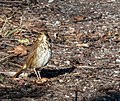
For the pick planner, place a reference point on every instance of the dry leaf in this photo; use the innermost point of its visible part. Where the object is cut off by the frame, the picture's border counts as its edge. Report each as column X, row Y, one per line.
column 41, row 81
column 1, row 78
column 19, row 50
column 22, row 82
column 78, row 18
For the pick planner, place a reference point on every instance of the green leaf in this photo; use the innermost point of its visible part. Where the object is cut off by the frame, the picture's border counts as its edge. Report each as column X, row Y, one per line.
column 2, row 78
column 25, row 41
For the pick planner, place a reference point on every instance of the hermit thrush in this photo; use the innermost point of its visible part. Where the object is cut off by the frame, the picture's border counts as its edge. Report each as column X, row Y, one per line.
column 39, row 56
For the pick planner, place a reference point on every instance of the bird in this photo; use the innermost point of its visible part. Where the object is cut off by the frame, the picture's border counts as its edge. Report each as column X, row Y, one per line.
column 39, row 55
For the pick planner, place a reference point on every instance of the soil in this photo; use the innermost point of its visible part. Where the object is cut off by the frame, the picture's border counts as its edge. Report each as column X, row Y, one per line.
column 85, row 39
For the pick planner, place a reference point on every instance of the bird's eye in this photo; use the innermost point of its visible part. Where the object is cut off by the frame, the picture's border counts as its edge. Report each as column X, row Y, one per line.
column 50, row 40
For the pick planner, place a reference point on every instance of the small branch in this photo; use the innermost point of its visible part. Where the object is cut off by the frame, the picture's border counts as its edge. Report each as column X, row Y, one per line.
column 87, row 67
column 65, row 46
column 11, row 74
column 14, row 64
column 8, row 73
column 8, row 2
column 7, row 57
column 90, row 19
column 93, row 67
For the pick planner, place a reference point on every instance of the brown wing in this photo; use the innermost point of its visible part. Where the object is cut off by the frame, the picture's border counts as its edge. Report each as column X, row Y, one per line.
column 34, row 46
column 27, row 65
column 29, row 61
column 31, row 55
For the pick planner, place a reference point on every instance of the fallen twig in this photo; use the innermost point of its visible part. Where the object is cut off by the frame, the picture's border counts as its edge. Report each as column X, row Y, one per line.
column 7, row 57
column 93, row 67
column 8, row 73
column 14, row 64
column 11, row 74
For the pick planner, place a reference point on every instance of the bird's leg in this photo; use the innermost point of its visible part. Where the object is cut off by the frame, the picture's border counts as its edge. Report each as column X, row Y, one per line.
column 37, row 74
column 39, row 79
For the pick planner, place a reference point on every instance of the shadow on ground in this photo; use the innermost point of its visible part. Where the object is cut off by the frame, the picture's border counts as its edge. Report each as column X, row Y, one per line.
column 46, row 73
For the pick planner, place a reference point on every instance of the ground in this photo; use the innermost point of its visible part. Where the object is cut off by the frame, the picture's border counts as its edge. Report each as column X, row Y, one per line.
column 85, row 39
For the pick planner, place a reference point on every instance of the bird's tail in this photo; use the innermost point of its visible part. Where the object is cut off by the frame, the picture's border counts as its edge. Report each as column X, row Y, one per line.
column 19, row 71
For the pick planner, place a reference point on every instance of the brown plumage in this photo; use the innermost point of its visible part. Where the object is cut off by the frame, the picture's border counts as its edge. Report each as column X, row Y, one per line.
column 39, row 56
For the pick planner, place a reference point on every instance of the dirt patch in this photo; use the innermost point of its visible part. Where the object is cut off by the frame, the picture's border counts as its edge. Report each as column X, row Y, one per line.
column 85, row 64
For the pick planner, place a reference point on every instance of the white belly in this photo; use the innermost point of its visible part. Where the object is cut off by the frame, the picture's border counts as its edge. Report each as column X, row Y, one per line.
column 43, row 57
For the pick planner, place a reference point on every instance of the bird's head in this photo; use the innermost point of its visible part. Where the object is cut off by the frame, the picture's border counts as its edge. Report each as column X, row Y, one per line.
column 43, row 36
